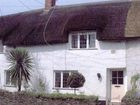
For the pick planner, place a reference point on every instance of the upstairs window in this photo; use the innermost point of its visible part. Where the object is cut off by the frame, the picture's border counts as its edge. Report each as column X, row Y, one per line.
column 83, row 40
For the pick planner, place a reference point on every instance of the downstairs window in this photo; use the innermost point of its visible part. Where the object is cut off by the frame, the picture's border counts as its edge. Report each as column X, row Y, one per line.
column 8, row 80
column 60, row 78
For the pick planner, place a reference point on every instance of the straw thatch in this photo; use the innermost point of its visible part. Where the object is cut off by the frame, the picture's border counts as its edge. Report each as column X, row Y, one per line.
column 133, row 20
column 27, row 28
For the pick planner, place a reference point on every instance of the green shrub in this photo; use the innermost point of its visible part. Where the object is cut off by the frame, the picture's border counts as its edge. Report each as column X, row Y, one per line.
column 72, row 96
column 76, row 80
column 131, row 98
column 134, row 80
column 62, row 96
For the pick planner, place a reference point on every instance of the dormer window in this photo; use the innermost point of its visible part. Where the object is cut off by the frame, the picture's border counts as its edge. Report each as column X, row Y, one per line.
column 83, row 40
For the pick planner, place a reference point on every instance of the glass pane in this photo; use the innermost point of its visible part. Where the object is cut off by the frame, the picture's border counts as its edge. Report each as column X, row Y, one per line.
column 1, row 47
column 13, row 82
column 57, row 79
column 114, row 73
column 92, row 41
column 120, row 73
column 120, row 80
column 8, row 77
column 83, row 41
column 114, row 80
column 65, row 78
column 74, row 41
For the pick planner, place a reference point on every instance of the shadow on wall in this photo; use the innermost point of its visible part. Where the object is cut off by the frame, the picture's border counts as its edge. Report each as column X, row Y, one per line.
column 102, row 45
column 109, row 45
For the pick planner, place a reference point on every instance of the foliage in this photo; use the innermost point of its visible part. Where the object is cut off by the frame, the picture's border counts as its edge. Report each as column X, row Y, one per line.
column 134, row 80
column 76, row 80
column 62, row 96
column 42, row 84
column 39, row 84
column 20, row 65
column 31, row 98
column 131, row 98
column 73, row 96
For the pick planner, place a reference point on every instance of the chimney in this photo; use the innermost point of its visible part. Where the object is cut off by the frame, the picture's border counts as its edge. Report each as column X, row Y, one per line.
column 49, row 3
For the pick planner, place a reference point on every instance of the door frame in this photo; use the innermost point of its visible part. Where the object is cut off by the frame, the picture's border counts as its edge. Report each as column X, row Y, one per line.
column 108, row 82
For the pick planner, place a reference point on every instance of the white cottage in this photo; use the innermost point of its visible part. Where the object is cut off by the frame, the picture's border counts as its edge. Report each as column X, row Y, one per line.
column 99, row 40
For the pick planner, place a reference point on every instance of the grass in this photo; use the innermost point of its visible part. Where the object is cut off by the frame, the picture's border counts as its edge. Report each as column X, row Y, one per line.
column 62, row 96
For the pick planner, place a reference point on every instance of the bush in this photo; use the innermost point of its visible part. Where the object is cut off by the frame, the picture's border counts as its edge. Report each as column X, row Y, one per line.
column 131, row 98
column 76, row 80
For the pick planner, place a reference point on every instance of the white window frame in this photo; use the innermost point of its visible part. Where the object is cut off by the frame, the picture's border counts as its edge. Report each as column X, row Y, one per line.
column 10, row 84
column 78, row 42
column 62, row 72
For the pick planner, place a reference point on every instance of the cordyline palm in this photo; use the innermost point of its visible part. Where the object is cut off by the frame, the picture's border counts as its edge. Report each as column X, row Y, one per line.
column 20, row 65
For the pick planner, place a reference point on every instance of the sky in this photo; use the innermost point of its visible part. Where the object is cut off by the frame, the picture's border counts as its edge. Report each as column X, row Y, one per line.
column 15, row 6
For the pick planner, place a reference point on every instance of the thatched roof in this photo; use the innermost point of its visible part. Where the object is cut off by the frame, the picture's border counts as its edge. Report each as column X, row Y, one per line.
column 27, row 28
column 133, row 21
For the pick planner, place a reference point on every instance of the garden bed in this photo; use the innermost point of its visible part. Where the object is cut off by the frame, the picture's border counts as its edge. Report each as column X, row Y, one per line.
column 29, row 98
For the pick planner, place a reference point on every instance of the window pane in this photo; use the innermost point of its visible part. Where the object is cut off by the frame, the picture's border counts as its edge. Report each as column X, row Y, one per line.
column 120, row 80
column 74, row 41
column 120, row 73
column 92, row 41
column 114, row 80
column 65, row 77
column 114, row 73
column 57, row 79
column 83, row 41
column 1, row 47
column 8, row 77
column 13, row 82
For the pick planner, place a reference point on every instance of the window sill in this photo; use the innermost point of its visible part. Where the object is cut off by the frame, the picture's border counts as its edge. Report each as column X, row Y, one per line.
column 2, row 53
column 9, row 86
column 83, row 49
column 65, row 88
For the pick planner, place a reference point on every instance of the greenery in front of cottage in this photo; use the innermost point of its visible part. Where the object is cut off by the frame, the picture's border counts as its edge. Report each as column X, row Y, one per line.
column 61, row 96
column 134, row 80
column 76, row 80
column 31, row 98
column 132, row 97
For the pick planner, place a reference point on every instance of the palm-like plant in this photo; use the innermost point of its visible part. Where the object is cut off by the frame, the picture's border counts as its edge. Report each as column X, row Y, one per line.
column 20, row 65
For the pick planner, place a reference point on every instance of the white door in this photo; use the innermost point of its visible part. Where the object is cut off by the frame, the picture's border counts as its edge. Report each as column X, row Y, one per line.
column 117, row 85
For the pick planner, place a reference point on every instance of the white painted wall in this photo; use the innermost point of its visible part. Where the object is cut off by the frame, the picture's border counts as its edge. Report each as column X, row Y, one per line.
column 88, row 62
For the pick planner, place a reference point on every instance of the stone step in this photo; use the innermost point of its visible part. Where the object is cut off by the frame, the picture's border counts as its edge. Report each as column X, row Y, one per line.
column 115, row 103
